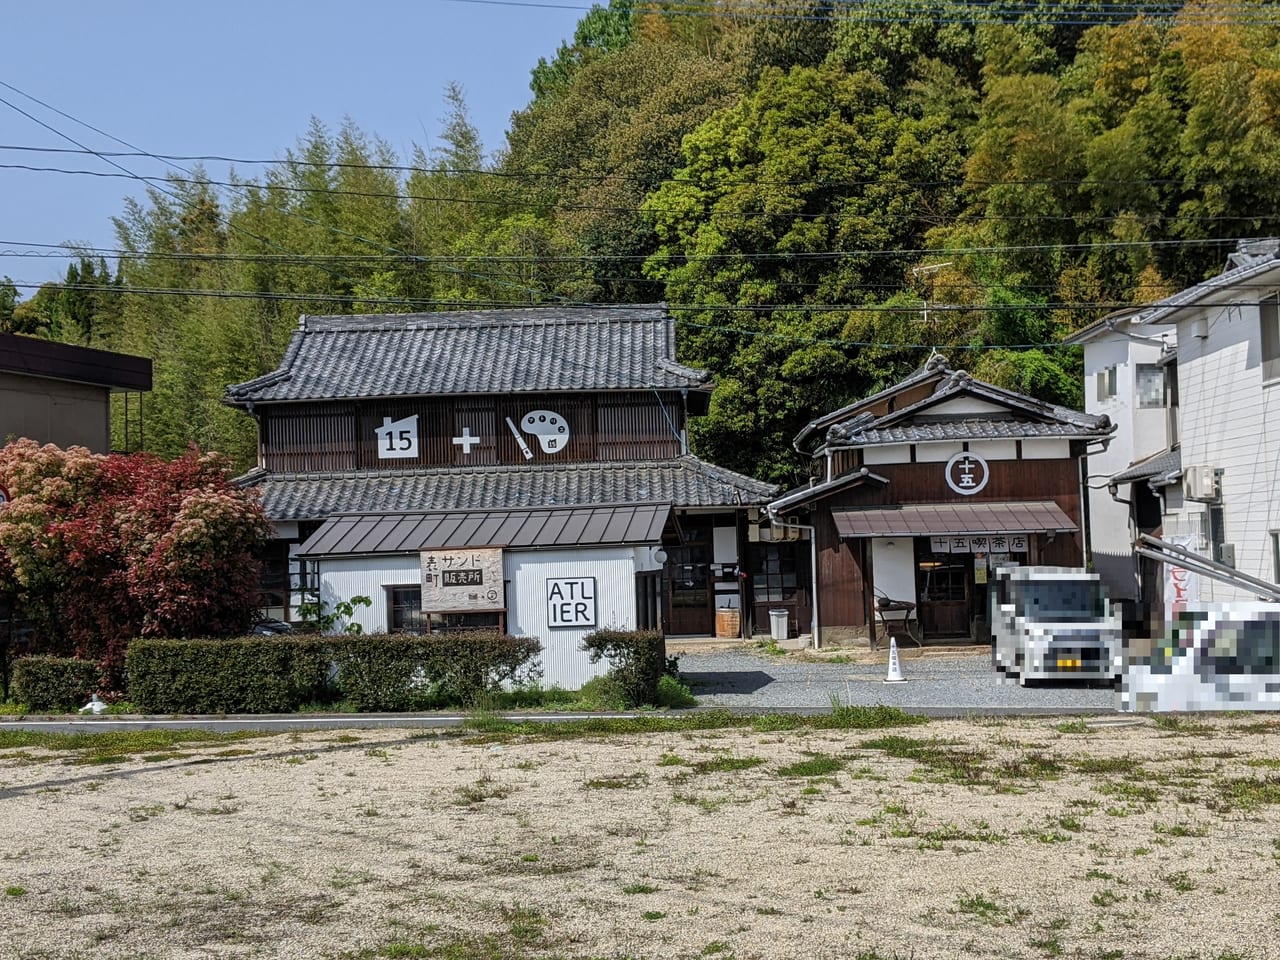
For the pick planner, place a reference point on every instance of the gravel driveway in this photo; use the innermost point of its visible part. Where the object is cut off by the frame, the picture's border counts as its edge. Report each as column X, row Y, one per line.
column 756, row 680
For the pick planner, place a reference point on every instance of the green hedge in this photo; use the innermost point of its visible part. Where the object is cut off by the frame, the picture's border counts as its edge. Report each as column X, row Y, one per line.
column 638, row 659
column 241, row 675
column 404, row 672
column 54, row 683
column 279, row 674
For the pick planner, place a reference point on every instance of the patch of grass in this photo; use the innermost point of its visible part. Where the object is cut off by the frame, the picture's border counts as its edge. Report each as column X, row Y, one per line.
column 674, row 695
column 1073, row 726
column 1181, row 830
column 1248, row 793
column 1107, row 765
column 987, row 910
column 938, row 757
column 637, row 888
column 116, row 746
column 936, row 837
column 672, row 760
column 619, row 781
column 726, row 764
column 652, row 915
column 815, row 766
column 1135, row 792
column 1180, row 881
column 844, row 718
column 486, row 788
column 1181, row 726
column 1105, row 898
column 1050, row 943
column 15, row 891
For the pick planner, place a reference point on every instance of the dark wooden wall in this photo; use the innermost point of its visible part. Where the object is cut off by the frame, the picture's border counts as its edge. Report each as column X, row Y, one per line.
column 843, row 589
column 299, row 437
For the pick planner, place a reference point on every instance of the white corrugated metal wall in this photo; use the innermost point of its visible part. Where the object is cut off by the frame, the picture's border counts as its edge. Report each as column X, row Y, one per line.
column 527, row 572
column 564, row 664
column 342, row 578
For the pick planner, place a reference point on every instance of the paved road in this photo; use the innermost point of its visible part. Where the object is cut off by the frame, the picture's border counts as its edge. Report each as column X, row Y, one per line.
column 747, row 679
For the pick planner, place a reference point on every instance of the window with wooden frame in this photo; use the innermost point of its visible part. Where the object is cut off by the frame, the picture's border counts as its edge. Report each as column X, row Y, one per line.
column 779, row 571
column 1269, row 320
column 404, row 609
column 478, row 620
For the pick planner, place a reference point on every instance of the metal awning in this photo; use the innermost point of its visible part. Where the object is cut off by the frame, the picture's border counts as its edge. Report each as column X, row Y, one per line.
column 937, row 519
column 600, row 525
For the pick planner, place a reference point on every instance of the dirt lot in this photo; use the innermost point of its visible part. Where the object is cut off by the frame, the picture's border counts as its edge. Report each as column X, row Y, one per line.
column 1003, row 838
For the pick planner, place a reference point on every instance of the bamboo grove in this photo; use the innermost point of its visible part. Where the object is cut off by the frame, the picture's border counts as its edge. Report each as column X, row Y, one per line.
column 822, row 193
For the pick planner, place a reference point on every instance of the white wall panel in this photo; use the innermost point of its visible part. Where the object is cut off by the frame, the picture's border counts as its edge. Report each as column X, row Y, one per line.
column 963, row 405
column 342, row 578
column 564, row 664
column 893, row 564
column 1046, row 449
column 995, row 449
column 936, row 452
column 888, row 453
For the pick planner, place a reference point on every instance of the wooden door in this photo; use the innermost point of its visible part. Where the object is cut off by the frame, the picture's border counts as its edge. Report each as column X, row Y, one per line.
column 944, row 586
column 689, row 599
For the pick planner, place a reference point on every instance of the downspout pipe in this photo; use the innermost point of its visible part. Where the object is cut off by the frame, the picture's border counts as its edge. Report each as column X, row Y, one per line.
column 777, row 521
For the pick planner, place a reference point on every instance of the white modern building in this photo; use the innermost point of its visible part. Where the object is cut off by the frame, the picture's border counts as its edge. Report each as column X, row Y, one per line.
column 1216, row 479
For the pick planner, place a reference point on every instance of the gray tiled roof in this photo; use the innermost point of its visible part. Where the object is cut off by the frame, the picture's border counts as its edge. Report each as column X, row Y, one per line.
column 535, row 349
column 957, row 430
column 1253, row 259
column 1164, row 464
column 682, row 482
column 1026, row 417
column 932, row 367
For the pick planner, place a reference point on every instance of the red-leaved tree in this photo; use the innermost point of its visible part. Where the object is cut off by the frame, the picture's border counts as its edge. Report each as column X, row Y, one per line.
column 98, row 549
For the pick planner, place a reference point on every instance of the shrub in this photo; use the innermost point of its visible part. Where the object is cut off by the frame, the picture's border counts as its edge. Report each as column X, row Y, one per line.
column 54, row 683
column 403, row 672
column 673, row 694
column 280, row 674
column 638, row 660
column 240, row 675
column 603, row 693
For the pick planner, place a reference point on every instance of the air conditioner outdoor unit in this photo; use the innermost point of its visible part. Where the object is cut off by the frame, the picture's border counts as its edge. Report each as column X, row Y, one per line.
column 1200, row 483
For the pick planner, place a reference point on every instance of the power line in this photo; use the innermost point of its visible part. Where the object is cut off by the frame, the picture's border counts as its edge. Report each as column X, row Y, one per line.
column 757, row 308
column 75, row 249
column 713, row 211
column 701, row 183
column 179, row 198
column 1063, row 14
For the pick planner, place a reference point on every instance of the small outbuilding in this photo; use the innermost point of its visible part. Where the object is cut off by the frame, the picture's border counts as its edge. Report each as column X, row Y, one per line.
column 923, row 488
column 60, row 393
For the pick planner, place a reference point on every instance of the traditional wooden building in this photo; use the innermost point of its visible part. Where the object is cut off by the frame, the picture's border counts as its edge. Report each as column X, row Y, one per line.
column 415, row 433
column 924, row 486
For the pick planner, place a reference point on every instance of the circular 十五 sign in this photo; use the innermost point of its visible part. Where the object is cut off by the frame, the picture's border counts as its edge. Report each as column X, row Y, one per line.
column 4, row 495
column 967, row 473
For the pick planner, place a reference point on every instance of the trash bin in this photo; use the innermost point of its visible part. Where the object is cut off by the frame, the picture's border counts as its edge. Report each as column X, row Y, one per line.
column 778, row 624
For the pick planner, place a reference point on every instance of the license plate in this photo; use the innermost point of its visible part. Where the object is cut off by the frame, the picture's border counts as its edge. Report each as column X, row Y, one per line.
column 1068, row 664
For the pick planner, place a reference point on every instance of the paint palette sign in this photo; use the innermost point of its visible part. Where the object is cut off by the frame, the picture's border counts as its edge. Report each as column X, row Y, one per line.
column 462, row 580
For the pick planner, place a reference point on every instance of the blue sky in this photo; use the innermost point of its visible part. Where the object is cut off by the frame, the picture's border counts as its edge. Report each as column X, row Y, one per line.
column 238, row 79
